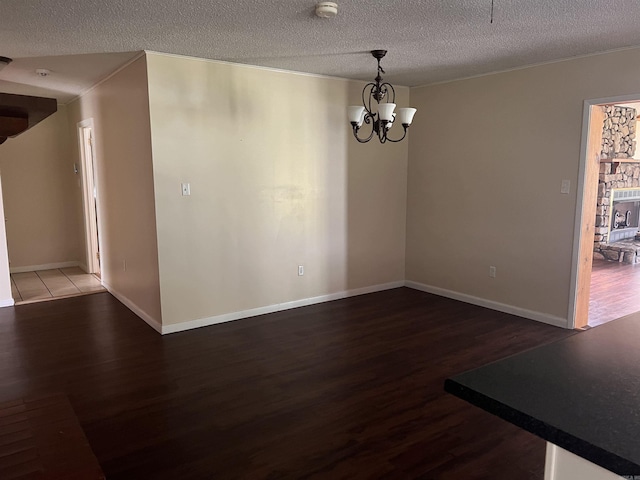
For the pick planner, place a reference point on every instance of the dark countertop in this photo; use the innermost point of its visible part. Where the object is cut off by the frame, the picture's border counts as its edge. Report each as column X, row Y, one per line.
column 581, row 393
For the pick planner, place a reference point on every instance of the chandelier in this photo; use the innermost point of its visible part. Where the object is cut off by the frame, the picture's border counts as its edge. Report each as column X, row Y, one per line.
column 383, row 119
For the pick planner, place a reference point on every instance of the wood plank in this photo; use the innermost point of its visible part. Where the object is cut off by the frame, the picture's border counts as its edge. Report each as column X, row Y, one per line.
column 10, row 126
column 46, row 443
column 345, row 389
column 614, row 291
column 589, row 200
column 619, row 160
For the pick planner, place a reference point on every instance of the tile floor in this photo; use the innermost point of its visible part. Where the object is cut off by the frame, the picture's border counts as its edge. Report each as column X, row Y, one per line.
column 48, row 284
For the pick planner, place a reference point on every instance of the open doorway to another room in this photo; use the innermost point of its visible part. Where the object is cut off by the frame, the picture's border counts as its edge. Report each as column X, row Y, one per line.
column 43, row 197
column 608, row 271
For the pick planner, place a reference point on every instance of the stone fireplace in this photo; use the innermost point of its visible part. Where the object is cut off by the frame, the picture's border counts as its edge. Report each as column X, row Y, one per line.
column 618, row 205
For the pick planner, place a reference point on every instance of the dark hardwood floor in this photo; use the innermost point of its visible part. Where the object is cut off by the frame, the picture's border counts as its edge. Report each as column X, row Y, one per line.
column 346, row 389
column 40, row 439
column 615, row 291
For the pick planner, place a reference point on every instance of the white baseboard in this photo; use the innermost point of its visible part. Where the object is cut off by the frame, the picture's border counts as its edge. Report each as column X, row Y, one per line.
column 482, row 302
column 228, row 317
column 7, row 302
column 152, row 322
column 46, row 266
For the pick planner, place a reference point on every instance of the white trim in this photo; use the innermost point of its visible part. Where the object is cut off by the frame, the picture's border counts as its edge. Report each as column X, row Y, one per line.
column 90, row 204
column 7, row 302
column 482, row 302
column 104, row 79
column 582, row 172
column 550, row 462
column 577, row 223
column 560, row 464
column 264, row 69
column 228, row 317
column 44, row 266
column 152, row 322
column 532, row 65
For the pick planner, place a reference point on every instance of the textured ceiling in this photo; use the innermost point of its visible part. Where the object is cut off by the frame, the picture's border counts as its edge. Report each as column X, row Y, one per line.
column 428, row 40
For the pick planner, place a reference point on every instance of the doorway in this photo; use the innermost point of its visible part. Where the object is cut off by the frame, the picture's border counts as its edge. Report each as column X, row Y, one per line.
column 603, row 288
column 89, row 195
column 53, row 281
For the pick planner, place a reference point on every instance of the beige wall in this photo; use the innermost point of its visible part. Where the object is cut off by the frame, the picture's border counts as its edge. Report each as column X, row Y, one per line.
column 276, row 182
column 119, row 108
column 486, row 160
column 41, row 193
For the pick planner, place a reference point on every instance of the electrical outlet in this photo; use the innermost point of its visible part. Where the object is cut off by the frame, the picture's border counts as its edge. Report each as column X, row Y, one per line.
column 565, row 187
column 492, row 271
column 300, row 270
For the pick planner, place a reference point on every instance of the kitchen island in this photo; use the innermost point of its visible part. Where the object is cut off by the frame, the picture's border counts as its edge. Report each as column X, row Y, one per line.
column 581, row 394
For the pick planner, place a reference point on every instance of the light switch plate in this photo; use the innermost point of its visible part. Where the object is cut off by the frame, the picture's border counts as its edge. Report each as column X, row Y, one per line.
column 186, row 189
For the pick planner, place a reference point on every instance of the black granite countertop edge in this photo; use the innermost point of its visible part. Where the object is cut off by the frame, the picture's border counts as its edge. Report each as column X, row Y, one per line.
column 575, row 445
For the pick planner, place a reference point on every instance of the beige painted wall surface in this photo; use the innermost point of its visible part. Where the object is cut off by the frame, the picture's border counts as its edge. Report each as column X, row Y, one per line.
column 126, row 212
column 486, row 160
column 41, row 195
column 276, row 182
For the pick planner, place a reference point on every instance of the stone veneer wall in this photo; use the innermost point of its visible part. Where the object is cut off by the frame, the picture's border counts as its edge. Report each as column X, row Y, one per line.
column 618, row 142
column 619, row 132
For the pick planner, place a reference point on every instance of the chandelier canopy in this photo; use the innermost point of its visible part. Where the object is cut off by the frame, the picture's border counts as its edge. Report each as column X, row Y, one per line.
column 384, row 117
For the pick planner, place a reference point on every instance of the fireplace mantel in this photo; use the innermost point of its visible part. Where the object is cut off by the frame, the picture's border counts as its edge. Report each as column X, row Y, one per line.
column 620, row 160
column 617, row 161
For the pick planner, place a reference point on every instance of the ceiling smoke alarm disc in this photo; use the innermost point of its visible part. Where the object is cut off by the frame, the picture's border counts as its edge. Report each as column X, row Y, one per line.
column 326, row 9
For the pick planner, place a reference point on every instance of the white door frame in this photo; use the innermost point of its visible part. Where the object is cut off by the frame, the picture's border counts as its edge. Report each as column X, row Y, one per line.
column 86, row 139
column 582, row 173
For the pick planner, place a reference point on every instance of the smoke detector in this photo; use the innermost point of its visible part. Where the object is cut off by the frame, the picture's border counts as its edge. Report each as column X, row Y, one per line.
column 326, row 9
column 4, row 61
column 43, row 72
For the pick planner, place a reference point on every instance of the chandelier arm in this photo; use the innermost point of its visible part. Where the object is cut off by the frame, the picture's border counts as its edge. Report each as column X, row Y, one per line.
column 366, row 103
column 362, row 140
column 406, row 128
column 368, row 120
